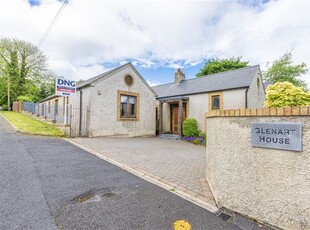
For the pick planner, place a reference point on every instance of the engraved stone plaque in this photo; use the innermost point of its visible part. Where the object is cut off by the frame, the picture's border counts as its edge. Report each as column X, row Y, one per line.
column 277, row 135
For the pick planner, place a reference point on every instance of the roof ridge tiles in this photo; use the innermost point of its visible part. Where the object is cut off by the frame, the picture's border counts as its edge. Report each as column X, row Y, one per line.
column 210, row 75
column 233, row 79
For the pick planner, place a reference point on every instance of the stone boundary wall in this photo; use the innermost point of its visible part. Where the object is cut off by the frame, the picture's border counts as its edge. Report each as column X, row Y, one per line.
column 285, row 111
column 269, row 185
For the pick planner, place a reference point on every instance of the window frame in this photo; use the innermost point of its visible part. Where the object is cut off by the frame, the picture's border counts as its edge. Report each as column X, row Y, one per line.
column 137, row 106
column 211, row 96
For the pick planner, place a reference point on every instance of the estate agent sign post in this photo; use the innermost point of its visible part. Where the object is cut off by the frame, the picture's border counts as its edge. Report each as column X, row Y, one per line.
column 65, row 88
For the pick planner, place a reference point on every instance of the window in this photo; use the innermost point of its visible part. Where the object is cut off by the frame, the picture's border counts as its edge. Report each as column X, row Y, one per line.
column 49, row 107
column 127, row 106
column 216, row 102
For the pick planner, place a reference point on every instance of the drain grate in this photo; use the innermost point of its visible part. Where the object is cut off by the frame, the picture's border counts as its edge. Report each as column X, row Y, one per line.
column 224, row 216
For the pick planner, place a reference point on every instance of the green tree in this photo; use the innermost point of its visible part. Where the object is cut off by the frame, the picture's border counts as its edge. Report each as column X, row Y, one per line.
column 283, row 94
column 283, row 69
column 3, row 89
column 47, row 85
column 220, row 65
column 24, row 69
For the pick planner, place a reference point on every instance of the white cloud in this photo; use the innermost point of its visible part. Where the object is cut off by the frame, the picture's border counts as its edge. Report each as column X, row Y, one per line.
column 181, row 33
column 152, row 83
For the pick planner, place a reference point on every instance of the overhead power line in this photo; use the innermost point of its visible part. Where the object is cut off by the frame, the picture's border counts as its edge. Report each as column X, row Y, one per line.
column 50, row 27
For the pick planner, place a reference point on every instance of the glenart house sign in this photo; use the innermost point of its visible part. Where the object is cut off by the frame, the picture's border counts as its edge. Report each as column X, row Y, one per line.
column 277, row 135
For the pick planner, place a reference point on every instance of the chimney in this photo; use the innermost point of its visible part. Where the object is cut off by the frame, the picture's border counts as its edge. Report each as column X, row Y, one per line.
column 179, row 76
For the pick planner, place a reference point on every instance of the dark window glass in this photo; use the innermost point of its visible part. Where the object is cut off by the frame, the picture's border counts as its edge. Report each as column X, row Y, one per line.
column 216, row 102
column 128, row 106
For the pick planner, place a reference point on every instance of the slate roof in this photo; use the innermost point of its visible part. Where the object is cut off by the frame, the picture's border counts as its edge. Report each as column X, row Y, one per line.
column 109, row 73
column 48, row 98
column 234, row 79
column 98, row 77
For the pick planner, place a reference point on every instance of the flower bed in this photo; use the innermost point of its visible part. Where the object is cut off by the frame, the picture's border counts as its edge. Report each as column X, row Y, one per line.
column 195, row 140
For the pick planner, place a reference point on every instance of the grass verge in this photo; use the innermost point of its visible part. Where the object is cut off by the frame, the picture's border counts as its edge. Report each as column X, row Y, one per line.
column 32, row 126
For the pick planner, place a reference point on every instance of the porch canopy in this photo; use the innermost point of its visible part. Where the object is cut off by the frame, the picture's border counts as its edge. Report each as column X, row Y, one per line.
column 180, row 100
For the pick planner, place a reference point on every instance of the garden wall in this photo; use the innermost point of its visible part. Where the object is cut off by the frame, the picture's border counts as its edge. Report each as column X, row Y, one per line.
column 270, row 185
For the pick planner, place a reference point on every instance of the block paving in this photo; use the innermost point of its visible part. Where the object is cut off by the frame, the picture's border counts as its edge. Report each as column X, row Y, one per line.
column 175, row 163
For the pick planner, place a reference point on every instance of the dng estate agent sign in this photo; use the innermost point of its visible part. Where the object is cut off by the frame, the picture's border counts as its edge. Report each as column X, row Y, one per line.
column 275, row 135
column 65, row 87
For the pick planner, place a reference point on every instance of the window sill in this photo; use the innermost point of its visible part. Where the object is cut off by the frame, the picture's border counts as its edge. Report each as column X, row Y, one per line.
column 127, row 119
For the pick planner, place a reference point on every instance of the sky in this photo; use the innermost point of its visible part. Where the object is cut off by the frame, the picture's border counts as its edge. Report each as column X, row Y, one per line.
column 94, row 36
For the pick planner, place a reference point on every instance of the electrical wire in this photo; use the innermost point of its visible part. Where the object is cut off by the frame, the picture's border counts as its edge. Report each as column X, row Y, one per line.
column 50, row 27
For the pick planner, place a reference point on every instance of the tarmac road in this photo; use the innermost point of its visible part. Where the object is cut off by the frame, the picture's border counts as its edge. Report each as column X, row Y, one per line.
column 47, row 183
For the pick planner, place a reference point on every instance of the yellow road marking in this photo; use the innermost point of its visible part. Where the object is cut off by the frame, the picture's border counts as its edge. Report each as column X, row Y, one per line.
column 181, row 225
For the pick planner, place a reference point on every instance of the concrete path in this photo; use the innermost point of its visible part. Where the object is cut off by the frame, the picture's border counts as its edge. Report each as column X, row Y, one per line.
column 48, row 183
column 178, row 164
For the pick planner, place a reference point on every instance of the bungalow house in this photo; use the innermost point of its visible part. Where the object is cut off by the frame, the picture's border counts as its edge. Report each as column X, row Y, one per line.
column 118, row 102
column 236, row 89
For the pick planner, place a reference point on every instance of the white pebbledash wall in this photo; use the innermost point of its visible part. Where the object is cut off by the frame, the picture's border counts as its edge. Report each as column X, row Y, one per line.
column 101, row 99
column 199, row 104
column 269, row 185
column 256, row 93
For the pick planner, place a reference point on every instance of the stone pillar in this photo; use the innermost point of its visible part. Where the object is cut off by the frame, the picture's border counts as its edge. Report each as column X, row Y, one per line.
column 160, row 117
column 180, row 117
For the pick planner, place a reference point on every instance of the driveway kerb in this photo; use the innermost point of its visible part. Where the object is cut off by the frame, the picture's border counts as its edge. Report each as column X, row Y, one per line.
column 173, row 188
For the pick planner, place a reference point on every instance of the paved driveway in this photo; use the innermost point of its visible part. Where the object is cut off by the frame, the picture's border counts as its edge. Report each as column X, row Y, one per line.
column 178, row 164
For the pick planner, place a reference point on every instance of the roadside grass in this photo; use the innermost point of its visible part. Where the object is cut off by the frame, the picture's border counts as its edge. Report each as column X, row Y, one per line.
column 32, row 126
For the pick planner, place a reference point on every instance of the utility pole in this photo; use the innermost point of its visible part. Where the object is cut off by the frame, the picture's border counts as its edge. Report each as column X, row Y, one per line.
column 9, row 104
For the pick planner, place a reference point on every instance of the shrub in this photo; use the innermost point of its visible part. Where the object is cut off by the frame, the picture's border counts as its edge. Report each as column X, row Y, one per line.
column 196, row 142
column 283, row 94
column 190, row 127
column 202, row 135
column 204, row 142
column 4, row 107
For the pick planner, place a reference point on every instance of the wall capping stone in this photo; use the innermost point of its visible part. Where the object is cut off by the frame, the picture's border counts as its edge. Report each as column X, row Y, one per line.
column 262, row 112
